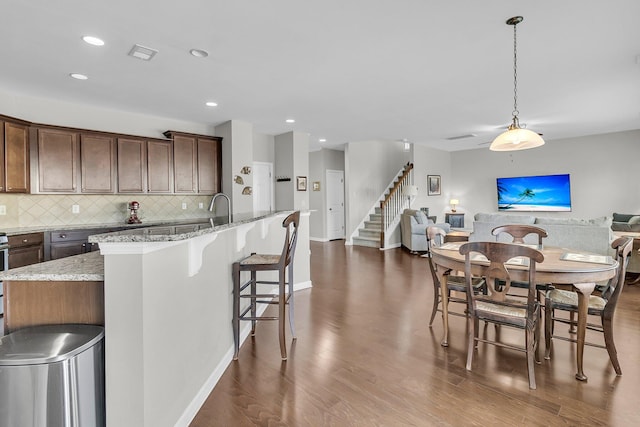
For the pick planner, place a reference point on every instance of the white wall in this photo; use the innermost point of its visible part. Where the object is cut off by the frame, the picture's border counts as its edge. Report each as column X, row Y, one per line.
column 603, row 170
column 263, row 146
column 319, row 162
column 292, row 160
column 430, row 161
column 369, row 167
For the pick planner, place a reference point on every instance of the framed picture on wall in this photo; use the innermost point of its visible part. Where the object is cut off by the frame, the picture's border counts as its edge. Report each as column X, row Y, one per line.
column 433, row 185
column 301, row 183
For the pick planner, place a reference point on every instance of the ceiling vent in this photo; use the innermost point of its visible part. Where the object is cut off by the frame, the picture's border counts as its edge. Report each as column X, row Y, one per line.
column 455, row 138
column 141, row 52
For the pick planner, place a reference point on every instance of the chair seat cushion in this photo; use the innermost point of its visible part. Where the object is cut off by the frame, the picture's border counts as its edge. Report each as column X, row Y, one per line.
column 261, row 259
column 505, row 310
column 563, row 297
column 459, row 283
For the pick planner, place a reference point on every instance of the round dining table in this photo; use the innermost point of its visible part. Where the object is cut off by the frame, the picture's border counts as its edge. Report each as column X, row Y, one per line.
column 578, row 275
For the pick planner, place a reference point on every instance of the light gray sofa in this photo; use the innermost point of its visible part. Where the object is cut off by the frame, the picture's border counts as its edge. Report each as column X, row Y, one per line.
column 413, row 226
column 626, row 222
column 593, row 235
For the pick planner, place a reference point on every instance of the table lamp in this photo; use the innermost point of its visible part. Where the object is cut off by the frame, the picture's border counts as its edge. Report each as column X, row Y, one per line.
column 410, row 191
column 453, row 203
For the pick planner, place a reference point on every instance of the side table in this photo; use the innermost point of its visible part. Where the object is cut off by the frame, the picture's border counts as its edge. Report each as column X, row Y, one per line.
column 455, row 219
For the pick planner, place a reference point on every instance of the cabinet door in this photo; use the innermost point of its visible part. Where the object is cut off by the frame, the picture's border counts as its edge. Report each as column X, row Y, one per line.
column 185, row 157
column 98, row 163
column 2, row 171
column 63, row 250
column 26, row 249
column 209, row 166
column 159, row 159
column 57, row 161
column 16, row 153
column 132, row 165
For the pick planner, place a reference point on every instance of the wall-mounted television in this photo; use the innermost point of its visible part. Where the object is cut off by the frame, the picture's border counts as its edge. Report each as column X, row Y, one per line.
column 551, row 193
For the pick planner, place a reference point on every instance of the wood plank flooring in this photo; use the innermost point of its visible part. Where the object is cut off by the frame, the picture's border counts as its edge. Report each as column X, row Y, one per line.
column 365, row 356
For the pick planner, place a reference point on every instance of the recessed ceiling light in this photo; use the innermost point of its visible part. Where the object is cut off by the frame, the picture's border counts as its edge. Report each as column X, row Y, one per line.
column 78, row 76
column 93, row 41
column 199, row 53
column 211, row 104
column 322, row 140
column 141, row 52
column 290, row 121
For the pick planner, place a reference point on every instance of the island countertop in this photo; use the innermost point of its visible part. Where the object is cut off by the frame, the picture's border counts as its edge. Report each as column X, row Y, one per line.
column 87, row 267
column 182, row 230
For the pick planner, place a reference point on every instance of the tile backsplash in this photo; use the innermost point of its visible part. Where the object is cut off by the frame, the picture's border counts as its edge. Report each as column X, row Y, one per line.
column 30, row 210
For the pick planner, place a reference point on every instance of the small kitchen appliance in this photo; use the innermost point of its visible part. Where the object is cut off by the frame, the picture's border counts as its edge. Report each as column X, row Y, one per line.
column 133, row 213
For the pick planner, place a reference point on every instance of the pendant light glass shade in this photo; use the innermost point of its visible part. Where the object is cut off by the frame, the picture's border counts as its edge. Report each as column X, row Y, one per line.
column 516, row 138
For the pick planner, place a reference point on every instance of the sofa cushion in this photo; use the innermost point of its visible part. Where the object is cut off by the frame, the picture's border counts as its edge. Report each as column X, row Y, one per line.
column 598, row 222
column 421, row 217
column 625, row 226
column 622, row 217
column 634, row 220
column 502, row 219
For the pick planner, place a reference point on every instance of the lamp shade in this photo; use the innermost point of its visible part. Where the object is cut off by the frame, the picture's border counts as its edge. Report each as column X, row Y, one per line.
column 410, row 190
column 516, row 139
column 454, row 202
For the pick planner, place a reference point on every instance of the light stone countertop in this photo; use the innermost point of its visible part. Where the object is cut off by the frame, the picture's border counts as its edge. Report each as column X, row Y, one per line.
column 87, row 267
column 183, row 230
column 90, row 266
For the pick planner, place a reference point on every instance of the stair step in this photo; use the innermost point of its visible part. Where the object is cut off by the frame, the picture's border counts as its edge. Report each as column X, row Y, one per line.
column 364, row 232
column 373, row 225
column 377, row 210
column 375, row 217
column 369, row 242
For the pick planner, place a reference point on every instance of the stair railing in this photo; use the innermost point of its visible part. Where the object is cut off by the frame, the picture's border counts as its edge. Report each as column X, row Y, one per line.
column 395, row 202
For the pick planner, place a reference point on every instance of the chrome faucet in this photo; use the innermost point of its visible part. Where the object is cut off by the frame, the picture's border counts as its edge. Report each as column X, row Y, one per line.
column 213, row 201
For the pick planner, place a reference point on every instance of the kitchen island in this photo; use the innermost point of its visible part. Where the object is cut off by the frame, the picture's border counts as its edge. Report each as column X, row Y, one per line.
column 168, row 308
column 68, row 290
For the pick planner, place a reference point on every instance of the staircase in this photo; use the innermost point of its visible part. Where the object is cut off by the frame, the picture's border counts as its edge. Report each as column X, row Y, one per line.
column 371, row 233
column 382, row 219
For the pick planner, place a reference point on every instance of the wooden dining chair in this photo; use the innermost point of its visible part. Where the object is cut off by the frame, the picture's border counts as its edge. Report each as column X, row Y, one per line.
column 517, row 233
column 603, row 305
column 497, row 307
column 283, row 264
column 435, row 237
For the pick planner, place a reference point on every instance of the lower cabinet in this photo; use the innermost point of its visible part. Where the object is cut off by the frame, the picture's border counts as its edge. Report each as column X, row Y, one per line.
column 26, row 249
column 67, row 243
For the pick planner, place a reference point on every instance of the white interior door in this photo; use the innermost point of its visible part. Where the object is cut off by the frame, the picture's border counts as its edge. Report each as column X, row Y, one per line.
column 262, row 186
column 335, row 204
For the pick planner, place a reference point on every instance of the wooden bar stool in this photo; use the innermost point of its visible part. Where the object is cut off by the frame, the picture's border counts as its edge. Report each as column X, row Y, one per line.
column 260, row 262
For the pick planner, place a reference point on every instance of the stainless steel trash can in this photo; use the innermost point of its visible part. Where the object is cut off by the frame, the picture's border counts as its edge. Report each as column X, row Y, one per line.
column 52, row 376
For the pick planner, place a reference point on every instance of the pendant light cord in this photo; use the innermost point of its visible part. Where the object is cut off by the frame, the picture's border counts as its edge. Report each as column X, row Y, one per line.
column 515, row 75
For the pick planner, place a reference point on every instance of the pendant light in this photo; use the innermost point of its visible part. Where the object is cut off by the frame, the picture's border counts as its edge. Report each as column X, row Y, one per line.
column 516, row 138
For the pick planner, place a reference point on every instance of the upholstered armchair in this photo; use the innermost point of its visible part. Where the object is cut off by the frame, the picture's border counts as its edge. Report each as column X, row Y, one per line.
column 413, row 226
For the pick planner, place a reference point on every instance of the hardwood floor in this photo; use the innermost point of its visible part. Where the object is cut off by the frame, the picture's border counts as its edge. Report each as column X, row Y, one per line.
column 365, row 356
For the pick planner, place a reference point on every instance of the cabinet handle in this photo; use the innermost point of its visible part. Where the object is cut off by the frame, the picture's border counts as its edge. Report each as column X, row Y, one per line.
column 63, row 236
column 25, row 240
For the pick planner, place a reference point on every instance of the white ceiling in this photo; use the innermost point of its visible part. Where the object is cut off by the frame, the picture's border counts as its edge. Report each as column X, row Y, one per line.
column 346, row 70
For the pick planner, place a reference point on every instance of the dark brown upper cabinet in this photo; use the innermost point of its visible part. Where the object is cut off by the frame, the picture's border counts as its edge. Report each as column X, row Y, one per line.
column 97, row 163
column 58, row 158
column 132, row 165
column 197, row 163
column 159, row 166
column 14, row 157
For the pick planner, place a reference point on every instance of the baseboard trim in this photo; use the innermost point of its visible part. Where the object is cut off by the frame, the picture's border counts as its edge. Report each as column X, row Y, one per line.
column 394, row 246
column 318, row 239
column 192, row 409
